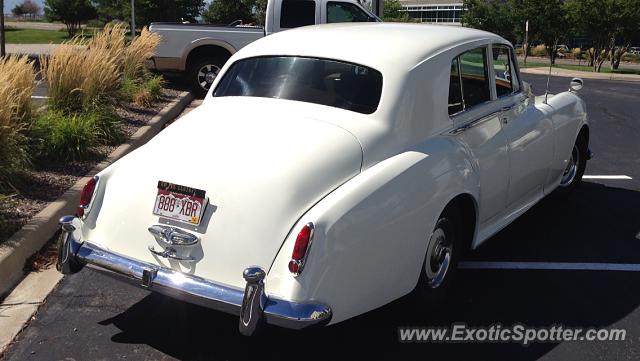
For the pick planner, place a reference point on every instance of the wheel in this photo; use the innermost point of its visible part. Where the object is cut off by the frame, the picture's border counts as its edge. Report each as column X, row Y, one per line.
column 441, row 259
column 202, row 73
column 572, row 175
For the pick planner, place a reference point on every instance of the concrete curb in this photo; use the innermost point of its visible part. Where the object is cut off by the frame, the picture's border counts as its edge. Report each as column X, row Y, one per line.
column 581, row 74
column 35, row 234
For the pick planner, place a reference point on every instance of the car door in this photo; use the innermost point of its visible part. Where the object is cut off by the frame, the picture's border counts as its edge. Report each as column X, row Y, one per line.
column 477, row 124
column 527, row 130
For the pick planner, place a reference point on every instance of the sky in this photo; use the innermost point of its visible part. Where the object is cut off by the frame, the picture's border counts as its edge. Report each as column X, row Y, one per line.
column 10, row 4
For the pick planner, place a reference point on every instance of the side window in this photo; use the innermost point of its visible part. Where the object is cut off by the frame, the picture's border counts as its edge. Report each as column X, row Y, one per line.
column 456, row 104
column 475, row 82
column 296, row 13
column 340, row 12
column 506, row 79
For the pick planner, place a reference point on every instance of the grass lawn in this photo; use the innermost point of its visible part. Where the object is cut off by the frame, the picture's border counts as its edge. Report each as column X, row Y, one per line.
column 605, row 68
column 36, row 36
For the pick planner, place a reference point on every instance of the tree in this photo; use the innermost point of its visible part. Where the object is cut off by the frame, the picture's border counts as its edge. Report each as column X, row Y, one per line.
column 495, row 16
column 148, row 11
column 227, row 11
column 547, row 21
column 71, row 13
column 27, row 7
column 17, row 11
column 605, row 22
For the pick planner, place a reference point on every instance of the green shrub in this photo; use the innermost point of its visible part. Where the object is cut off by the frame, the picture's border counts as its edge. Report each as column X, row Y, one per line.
column 107, row 122
column 539, row 50
column 635, row 58
column 143, row 92
column 63, row 136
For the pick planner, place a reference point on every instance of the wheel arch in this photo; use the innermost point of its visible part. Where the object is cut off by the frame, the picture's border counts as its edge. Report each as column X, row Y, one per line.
column 206, row 47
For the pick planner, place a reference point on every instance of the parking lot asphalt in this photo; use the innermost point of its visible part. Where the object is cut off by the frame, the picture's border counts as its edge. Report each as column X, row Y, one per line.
column 92, row 317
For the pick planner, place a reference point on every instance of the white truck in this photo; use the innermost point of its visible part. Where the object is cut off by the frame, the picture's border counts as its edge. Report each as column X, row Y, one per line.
column 199, row 51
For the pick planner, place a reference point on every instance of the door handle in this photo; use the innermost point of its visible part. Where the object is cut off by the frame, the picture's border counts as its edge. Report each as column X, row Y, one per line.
column 506, row 109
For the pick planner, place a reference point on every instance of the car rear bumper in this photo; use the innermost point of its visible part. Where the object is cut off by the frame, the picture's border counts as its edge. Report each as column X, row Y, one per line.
column 251, row 304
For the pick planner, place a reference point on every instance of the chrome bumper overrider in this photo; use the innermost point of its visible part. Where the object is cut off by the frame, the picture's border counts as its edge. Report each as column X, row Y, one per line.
column 251, row 304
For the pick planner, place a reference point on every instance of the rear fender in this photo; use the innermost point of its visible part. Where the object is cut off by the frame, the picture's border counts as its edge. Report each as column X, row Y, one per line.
column 371, row 234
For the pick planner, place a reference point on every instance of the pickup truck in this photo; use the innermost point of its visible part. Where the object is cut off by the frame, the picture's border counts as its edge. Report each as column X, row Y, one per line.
column 199, row 51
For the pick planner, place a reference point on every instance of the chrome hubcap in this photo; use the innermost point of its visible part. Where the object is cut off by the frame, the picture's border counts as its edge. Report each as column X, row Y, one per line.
column 572, row 168
column 206, row 75
column 438, row 258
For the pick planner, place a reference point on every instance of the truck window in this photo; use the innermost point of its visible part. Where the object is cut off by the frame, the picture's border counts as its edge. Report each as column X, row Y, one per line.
column 296, row 13
column 320, row 81
column 340, row 12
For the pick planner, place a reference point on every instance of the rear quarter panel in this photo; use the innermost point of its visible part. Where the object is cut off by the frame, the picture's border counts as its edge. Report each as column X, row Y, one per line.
column 371, row 233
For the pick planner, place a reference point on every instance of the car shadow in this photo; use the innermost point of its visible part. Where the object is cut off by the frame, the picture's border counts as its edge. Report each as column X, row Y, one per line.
column 595, row 224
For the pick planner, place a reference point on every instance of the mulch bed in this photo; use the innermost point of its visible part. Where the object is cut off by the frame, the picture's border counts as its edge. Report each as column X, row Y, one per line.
column 45, row 182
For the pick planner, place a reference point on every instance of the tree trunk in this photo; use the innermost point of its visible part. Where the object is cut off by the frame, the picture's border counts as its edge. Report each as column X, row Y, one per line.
column 2, row 49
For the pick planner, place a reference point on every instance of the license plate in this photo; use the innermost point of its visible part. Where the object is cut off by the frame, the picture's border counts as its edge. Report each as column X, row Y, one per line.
column 178, row 202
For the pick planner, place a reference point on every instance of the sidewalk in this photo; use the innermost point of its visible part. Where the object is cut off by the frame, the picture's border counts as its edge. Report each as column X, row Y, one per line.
column 581, row 74
column 31, row 49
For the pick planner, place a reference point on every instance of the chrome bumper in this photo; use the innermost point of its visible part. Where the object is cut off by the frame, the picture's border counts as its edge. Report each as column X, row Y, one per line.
column 251, row 304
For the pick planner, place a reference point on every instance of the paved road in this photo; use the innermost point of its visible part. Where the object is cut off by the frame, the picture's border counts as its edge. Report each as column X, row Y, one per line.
column 91, row 317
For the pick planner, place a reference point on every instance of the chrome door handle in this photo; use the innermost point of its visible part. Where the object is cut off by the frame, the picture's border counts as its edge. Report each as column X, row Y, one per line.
column 169, row 253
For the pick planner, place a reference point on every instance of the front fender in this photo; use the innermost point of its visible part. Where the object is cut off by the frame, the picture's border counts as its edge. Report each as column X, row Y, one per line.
column 371, row 233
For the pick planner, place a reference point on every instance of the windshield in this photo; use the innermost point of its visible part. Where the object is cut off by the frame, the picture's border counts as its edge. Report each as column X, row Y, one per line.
column 320, row 81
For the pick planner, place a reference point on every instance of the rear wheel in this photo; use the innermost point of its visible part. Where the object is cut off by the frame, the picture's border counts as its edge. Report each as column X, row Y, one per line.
column 441, row 259
column 202, row 73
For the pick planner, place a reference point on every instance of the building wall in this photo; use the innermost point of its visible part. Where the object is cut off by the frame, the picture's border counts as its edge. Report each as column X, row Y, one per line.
column 446, row 12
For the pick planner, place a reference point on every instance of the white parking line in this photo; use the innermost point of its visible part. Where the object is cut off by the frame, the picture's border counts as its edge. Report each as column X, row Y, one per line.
column 39, row 97
column 626, row 267
column 606, row 177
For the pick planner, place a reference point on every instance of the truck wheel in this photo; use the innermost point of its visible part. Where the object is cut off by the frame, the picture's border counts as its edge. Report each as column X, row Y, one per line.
column 202, row 73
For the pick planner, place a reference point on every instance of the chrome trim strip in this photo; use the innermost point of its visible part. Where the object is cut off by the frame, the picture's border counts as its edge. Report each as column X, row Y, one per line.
column 75, row 254
column 474, row 123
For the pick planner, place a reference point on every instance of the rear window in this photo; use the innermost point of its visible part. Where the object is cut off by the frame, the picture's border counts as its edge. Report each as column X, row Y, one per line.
column 312, row 80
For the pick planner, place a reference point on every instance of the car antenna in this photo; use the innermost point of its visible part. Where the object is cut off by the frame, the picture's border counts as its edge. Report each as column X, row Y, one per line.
column 553, row 52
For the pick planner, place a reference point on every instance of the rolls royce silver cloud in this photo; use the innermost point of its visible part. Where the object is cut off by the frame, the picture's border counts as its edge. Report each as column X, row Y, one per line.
column 330, row 170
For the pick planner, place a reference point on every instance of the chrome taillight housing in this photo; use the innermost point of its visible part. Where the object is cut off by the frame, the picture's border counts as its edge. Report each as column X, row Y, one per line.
column 86, row 197
column 301, row 249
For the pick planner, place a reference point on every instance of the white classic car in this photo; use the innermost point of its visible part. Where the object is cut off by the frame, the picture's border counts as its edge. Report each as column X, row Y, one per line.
column 330, row 170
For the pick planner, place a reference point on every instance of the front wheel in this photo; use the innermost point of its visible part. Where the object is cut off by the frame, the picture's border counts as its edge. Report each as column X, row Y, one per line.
column 202, row 73
column 572, row 175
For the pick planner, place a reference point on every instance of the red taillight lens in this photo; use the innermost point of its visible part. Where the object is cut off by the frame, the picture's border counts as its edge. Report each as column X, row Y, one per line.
column 86, row 196
column 301, row 248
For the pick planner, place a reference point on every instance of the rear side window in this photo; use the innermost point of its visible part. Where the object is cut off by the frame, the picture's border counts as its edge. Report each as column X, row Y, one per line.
column 455, row 89
column 469, row 81
column 296, row 13
column 340, row 12
column 475, row 82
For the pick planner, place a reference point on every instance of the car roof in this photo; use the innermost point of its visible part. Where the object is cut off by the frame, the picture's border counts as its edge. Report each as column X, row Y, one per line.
column 381, row 46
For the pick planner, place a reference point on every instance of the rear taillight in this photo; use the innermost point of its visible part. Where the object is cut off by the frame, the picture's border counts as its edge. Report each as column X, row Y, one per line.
column 86, row 197
column 301, row 249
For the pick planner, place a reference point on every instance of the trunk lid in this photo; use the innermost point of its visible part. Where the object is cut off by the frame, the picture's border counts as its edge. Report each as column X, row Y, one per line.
column 262, row 168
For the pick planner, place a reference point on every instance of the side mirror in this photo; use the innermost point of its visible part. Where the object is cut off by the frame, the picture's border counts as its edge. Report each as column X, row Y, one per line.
column 576, row 84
